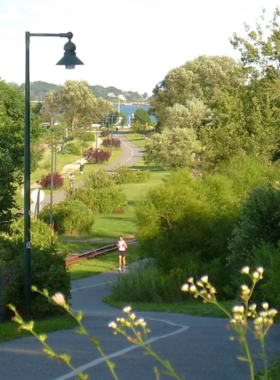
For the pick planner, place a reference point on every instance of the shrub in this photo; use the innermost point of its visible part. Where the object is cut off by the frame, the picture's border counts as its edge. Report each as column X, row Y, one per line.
column 57, row 181
column 69, row 216
column 89, row 136
column 99, row 179
column 115, row 143
column 74, row 147
column 100, row 200
column 258, row 223
column 96, row 156
column 126, row 175
column 146, row 283
column 48, row 269
column 85, row 136
column 105, row 133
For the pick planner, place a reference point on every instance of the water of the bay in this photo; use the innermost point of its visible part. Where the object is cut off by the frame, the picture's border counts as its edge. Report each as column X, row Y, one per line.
column 128, row 110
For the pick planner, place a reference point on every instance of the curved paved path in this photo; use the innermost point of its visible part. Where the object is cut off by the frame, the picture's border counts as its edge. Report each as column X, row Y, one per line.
column 130, row 155
column 198, row 348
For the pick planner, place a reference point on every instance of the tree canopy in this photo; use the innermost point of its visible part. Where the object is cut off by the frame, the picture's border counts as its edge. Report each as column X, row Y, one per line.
column 76, row 105
column 12, row 146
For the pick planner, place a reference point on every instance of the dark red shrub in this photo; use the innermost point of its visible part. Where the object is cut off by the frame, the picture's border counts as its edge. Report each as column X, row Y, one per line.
column 105, row 133
column 116, row 143
column 96, row 156
column 57, row 181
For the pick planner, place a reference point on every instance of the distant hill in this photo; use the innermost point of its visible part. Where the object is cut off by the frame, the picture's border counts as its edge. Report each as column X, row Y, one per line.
column 39, row 89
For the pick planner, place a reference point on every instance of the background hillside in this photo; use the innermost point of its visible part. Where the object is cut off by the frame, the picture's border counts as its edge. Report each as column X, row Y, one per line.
column 39, row 89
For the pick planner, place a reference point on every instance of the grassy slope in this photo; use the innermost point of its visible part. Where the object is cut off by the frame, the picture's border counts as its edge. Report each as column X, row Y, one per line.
column 112, row 226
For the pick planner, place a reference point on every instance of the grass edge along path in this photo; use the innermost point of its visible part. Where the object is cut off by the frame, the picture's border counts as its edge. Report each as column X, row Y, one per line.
column 9, row 330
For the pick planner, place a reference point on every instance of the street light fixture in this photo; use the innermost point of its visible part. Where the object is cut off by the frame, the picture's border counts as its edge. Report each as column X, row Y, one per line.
column 69, row 61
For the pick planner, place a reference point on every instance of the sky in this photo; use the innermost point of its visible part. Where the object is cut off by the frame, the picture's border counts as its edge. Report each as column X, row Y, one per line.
column 128, row 44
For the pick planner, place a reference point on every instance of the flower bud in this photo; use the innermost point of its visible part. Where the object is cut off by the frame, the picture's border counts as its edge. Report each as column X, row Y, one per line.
column 245, row 270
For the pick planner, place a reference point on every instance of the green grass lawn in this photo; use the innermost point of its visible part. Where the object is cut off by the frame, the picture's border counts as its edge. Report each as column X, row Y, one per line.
column 9, row 330
column 195, row 307
column 112, row 226
column 136, row 139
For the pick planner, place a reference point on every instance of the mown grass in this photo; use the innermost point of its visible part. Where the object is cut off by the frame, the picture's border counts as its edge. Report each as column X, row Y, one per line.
column 101, row 264
column 191, row 308
column 112, row 226
column 9, row 330
column 136, row 139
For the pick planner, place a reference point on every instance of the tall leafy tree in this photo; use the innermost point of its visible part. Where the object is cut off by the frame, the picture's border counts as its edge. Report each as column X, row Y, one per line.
column 12, row 146
column 260, row 52
column 173, row 148
column 200, row 79
column 141, row 116
column 75, row 104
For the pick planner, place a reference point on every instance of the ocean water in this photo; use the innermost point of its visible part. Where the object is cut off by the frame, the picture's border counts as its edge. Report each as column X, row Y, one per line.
column 129, row 110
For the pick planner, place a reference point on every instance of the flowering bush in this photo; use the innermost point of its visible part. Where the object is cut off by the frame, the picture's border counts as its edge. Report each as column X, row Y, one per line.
column 105, row 133
column 241, row 313
column 57, row 181
column 96, row 156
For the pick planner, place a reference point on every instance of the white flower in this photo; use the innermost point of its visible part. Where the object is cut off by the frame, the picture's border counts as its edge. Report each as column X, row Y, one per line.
column 190, row 280
column 238, row 309
column 272, row 312
column 265, row 305
column 59, row 299
column 185, row 287
column 212, row 290
column 112, row 325
column 256, row 275
column 127, row 309
column 258, row 321
column 253, row 307
column 192, row 288
column 245, row 270
column 260, row 270
column 140, row 322
column 204, row 279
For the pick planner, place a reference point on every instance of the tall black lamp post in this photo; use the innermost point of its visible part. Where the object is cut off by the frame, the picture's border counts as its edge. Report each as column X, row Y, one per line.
column 69, row 60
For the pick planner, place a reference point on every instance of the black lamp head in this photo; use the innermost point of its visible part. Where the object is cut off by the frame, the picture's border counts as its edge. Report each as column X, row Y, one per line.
column 70, row 60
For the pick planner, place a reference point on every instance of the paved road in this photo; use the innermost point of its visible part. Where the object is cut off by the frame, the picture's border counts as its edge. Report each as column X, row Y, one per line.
column 199, row 348
column 131, row 154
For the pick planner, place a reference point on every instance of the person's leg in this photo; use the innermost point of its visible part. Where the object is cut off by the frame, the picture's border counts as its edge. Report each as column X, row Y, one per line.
column 120, row 261
column 124, row 260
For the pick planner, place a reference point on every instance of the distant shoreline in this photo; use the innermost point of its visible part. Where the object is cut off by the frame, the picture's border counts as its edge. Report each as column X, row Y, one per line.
column 133, row 104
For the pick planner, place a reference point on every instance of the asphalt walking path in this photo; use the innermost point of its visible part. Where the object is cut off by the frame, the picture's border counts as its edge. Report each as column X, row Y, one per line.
column 199, row 348
column 130, row 155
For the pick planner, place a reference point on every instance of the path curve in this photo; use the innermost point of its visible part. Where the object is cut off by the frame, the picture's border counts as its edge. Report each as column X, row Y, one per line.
column 130, row 155
column 199, row 348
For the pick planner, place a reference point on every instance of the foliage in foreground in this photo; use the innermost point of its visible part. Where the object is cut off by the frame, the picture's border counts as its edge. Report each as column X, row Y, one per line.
column 135, row 330
column 186, row 223
column 47, row 268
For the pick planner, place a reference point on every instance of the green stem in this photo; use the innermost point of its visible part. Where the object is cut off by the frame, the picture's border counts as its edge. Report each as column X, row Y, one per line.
column 264, row 357
column 99, row 349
